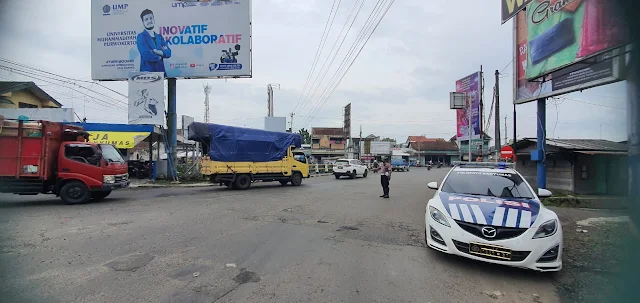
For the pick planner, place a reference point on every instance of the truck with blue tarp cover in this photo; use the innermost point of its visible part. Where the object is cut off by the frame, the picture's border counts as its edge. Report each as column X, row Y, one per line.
column 239, row 156
column 399, row 164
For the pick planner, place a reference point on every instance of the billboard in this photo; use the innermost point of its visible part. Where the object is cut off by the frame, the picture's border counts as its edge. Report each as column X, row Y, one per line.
column 471, row 86
column 511, row 7
column 603, row 68
column 180, row 39
column 48, row 114
column 347, row 121
column 561, row 33
column 146, row 98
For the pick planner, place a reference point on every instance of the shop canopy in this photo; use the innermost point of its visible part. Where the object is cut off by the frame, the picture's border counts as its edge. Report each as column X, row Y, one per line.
column 120, row 135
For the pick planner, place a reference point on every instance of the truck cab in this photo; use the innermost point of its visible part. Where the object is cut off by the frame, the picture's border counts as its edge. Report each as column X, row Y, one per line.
column 43, row 157
column 399, row 164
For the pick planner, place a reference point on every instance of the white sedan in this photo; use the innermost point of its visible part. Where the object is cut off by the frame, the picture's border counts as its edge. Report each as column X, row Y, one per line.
column 488, row 212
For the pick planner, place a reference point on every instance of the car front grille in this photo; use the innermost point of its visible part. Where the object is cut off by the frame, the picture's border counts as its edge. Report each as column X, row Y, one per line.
column 502, row 233
column 516, row 256
column 122, row 178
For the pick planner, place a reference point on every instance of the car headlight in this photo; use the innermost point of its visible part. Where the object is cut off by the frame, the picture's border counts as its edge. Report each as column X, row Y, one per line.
column 547, row 229
column 438, row 216
column 109, row 179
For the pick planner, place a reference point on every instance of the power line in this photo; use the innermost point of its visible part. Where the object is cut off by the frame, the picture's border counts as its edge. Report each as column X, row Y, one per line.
column 325, row 35
column 346, row 70
column 595, row 104
column 355, row 4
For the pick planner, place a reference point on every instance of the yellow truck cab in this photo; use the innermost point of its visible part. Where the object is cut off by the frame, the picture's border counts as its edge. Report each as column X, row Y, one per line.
column 240, row 156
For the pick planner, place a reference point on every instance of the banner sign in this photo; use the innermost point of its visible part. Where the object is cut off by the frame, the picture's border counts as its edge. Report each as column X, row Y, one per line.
column 563, row 32
column 471, row 86
column 180, row 39
column 511, row 7
column 603, row 68
column 146, row 98
column 118, row 139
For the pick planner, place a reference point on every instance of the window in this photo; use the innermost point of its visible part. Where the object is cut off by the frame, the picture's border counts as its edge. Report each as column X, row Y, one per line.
column 81, row 153
column 26, row 105
column 484, row 183
column 111, row 154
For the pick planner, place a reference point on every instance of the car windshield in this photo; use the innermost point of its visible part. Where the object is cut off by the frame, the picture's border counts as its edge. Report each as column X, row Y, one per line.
column 111, row 154
column 484, row 183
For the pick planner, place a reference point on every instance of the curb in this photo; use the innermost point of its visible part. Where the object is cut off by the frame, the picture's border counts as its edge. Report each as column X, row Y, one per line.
column 319, row 175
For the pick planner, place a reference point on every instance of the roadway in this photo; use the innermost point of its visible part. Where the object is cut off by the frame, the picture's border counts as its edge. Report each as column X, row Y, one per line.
column 325, row 241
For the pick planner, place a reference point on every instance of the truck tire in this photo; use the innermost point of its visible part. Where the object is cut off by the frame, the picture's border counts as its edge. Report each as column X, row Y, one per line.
column 243, row 181
column 75, row 192
column 366, row 171
column 296, row 179
column 284, row 182
column 99, row 195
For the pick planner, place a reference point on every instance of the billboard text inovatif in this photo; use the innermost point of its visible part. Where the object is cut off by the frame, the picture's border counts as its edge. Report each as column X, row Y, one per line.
column 180, row 39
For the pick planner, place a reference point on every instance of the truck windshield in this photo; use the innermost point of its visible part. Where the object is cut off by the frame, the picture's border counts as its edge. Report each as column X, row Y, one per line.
column 111, row 154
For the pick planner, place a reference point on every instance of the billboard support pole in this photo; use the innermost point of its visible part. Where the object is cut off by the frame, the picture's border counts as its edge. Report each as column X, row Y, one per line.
column 469, row 130
column 172, row 124
column 497, row 116
column 541, row 157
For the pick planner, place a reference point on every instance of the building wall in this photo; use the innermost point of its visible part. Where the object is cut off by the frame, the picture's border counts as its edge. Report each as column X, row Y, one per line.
column 560, row 171
column 601, row 174
column 25, row 97
column 328, row 142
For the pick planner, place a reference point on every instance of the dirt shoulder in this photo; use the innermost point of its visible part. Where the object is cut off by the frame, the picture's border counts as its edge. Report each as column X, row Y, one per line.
column 594, row 253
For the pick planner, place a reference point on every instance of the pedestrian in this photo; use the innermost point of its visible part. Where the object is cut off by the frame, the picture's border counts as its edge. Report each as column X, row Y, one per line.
column 375, row 167
column 385, row 177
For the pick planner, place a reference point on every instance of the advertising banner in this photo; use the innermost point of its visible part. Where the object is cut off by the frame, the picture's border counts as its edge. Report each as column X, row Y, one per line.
column 511, row 7
column 181, row 39
column 563, row 32
column 118, row 139
column 471, row 86
column 48, row 114
column 146, row 98
column 604, row 68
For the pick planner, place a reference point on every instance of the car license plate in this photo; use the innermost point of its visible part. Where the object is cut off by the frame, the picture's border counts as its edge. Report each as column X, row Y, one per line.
column 490, row 251
column 339, row 167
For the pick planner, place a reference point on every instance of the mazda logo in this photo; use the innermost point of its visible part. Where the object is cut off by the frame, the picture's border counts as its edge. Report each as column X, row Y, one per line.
column 489, row 232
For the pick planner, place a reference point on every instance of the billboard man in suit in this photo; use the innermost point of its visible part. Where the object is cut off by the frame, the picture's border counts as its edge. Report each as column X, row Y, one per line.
column 152, row 47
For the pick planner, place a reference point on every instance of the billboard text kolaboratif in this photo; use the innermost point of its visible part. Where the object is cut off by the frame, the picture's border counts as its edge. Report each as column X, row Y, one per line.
column 182, row 39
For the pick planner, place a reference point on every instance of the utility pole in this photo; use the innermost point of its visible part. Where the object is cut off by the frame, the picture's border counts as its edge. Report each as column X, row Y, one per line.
column 506, row 133
column 292, row 114
column 497, row 114
column 515, row 138
column 360, row 140
column 481, row 112
column 207, row 90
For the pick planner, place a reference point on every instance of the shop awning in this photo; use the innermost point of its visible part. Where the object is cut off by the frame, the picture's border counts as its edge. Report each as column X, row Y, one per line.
column 118, row 139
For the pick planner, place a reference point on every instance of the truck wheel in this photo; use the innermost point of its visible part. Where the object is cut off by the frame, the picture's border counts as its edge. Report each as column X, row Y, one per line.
column 99, row 195
column 243, row 182
column 365, row 173
column 75, row 192
column 284, row 182
column 296, row 179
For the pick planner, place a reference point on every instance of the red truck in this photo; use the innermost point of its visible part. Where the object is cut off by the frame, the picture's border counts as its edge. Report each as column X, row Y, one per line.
column 54, row 158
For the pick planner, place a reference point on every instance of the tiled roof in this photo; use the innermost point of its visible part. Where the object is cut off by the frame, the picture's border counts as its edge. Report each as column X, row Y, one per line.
column 439, row 145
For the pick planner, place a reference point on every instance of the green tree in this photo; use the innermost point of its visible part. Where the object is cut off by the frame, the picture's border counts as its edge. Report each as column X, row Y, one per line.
column 306, row 136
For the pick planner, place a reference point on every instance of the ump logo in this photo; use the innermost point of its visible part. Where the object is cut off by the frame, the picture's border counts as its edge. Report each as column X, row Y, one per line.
column 213, row 66
column 114, row 9
column 146, row 78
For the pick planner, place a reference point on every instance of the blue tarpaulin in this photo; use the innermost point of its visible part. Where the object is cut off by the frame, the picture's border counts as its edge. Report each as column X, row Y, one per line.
column 237, row 144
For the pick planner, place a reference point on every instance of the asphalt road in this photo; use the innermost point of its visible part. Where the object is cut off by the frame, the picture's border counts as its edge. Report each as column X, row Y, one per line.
column 326, row 241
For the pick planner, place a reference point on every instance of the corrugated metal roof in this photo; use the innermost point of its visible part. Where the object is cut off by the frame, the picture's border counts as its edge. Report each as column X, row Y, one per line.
column 584, row 144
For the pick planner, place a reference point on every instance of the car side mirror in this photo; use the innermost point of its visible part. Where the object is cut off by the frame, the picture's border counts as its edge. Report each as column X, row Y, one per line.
column 544, row 193
column 432, row 185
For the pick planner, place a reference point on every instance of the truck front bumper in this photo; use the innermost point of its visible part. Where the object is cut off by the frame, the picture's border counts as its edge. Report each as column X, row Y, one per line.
column 114, row 186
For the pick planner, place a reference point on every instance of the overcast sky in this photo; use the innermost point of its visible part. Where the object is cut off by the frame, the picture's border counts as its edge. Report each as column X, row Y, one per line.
column 398, row 86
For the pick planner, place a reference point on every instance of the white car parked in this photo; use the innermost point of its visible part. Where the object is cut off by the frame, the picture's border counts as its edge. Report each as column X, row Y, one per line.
column 488, row 212
column 349, row 167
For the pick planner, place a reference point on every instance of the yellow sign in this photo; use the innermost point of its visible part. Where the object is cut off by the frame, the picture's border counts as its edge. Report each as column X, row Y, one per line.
column 118, row 139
